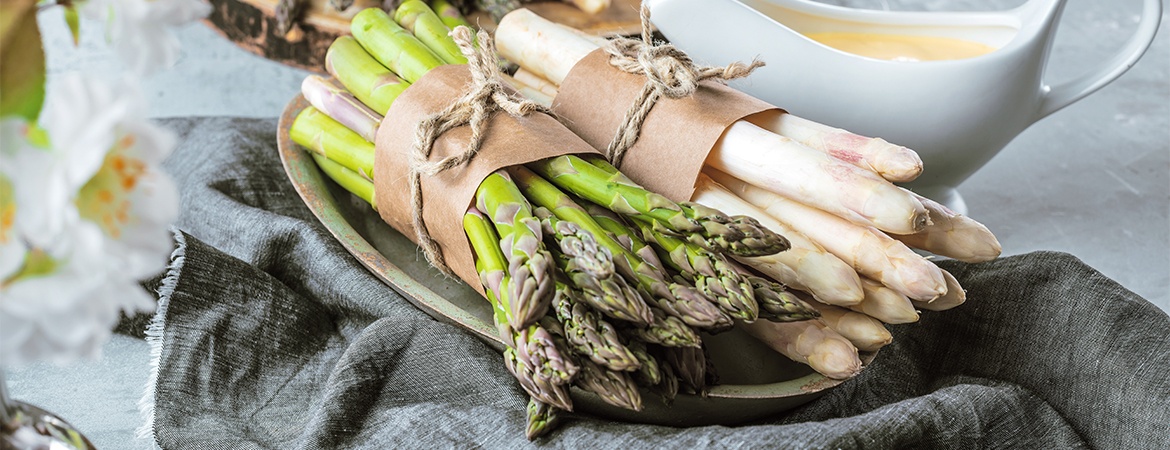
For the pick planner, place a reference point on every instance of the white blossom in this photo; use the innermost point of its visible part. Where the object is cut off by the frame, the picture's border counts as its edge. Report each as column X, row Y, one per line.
column 85, row 208
column 124, row 190
column 140, row 29
column 69, row 312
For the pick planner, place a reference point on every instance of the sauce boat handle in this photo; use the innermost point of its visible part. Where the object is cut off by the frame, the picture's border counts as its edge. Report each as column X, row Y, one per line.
column 1053, row 98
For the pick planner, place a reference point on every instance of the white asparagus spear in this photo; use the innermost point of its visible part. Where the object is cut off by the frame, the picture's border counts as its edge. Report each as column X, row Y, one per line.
column 892, row 162
column 885, row 304
column 870, row 252
column 786, row 167
column 865, row 332
column 535, row 81
column 746, row 151
column 810, row 342
column 540, row 46
column 953, row 235
column 805, row 266
column 955, row 296
column 591, row 6
column 527, row 90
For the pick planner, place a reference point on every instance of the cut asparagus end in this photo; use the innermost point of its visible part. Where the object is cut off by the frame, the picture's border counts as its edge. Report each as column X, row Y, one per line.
column 393, row 46
column 363, row 76
column 418, row 18
column 322, row 135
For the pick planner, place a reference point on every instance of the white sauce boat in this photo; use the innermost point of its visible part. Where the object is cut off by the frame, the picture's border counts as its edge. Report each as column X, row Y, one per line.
column 957, row 114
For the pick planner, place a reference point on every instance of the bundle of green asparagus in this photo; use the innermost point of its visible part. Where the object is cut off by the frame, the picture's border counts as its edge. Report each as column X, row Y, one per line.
column 594, row 281
column 852, row 231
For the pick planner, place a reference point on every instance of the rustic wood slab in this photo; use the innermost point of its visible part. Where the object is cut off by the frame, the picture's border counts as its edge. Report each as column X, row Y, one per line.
column 251, row 24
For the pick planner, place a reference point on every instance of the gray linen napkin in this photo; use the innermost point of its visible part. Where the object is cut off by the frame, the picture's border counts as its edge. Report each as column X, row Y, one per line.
column 269, row 335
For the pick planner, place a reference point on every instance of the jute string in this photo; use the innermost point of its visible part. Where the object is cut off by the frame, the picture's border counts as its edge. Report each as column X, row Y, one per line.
column 486, row 96
column 669, row 72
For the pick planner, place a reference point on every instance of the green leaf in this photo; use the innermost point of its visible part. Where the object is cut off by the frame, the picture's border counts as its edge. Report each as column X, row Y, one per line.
column 73, row 19
column 22, row 61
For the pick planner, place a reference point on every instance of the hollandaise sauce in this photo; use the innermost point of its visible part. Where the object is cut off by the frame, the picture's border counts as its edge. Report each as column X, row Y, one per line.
column 902, row 47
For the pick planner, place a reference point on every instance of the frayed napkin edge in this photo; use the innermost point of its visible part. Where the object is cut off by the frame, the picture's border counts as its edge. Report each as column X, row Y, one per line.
column 154, row 335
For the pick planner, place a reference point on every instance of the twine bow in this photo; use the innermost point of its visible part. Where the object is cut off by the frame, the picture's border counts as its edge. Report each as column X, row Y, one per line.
column 486, row 96
column 669, row 72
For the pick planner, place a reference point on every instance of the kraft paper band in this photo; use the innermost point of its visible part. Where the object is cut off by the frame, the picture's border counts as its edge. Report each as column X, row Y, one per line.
column 677, row 135
column 446, row 196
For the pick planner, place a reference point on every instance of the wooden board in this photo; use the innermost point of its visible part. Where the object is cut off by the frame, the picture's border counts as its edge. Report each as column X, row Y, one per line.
column 251, row 24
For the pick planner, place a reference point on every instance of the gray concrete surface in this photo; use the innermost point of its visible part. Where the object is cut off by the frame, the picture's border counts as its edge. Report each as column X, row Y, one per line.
column 1092, row 180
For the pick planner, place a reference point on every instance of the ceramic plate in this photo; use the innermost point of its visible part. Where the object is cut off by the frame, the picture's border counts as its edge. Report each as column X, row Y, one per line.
column 754, row 381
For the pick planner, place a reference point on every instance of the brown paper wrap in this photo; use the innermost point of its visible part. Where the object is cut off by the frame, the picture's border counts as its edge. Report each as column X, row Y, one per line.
column 676, row 136
column 446, row 196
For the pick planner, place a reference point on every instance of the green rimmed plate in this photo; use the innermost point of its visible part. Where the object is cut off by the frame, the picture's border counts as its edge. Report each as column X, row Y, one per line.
column 755, row 382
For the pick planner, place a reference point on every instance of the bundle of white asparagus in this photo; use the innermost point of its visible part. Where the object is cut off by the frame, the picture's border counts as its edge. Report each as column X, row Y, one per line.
column 853, row 232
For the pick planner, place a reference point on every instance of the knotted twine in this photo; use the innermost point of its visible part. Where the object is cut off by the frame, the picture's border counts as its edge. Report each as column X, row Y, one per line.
column 669, row 72
column 485, row 97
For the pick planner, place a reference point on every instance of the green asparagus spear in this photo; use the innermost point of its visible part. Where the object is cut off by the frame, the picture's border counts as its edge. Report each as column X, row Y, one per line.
column 320, row 134
column 542, row 193
column 753, row 238
column 541, row 417
column 418, row 18
column 549, row 360
column 556, row 395
column 710, row 272
column 533, row 345
column 531, row 355
column 738, row 235
column 576, row 243
column 490, row 264
column 362, row 75
column 392, row 45
column 777, row 304
column 683, row 301
column 649, row 372
column 589, row 335
column 611, row 295
column 695, row 307
column 620, row 232
column 613, row 191
column 595, row 180
column 614, row 387
column 529, row 263
column 450, row 14
column 668, row 387
column 665, row 330
column 690, row 365
column 348, row 179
